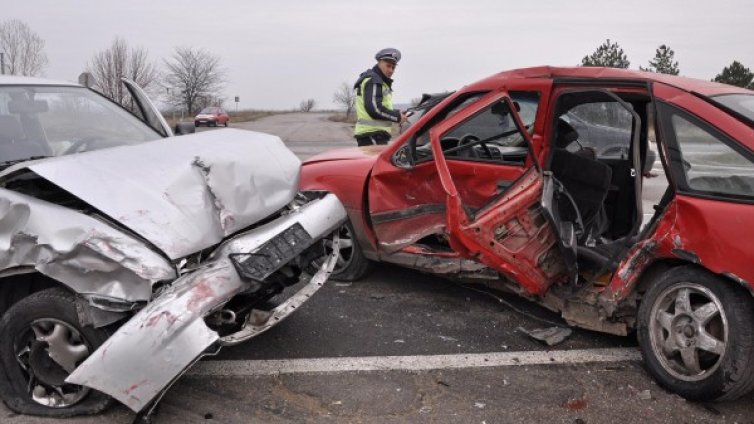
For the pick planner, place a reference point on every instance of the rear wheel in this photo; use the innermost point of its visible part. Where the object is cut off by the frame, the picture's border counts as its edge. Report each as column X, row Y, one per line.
column 43, row 342
column 696, row 333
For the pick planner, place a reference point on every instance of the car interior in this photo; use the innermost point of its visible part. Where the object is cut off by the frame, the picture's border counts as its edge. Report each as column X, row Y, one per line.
column 596, row 187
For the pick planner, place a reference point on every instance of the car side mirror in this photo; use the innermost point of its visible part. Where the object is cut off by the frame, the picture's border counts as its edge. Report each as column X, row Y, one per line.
column 183, row 128
column 403, row 159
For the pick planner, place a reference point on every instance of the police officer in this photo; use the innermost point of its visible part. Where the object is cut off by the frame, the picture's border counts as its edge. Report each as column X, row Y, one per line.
column 374, row 101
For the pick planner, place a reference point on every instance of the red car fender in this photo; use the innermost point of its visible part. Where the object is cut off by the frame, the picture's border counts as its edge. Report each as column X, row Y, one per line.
column 345, row 173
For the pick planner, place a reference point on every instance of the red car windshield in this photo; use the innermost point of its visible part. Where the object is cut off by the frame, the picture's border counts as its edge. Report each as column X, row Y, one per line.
column 740, row 103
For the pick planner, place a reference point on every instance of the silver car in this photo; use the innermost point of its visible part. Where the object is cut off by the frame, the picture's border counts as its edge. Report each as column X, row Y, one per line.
column 126, row 254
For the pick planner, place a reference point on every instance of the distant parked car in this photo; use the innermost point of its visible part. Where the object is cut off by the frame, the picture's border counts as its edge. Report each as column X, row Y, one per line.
column 212, row 117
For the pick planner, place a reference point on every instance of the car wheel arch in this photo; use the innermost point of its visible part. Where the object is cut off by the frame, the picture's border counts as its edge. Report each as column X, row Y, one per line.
column 22, row 283
column 26, row 281
column 661, row 266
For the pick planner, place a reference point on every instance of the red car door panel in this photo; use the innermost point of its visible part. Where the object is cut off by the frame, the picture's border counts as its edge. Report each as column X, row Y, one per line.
column 510, row 232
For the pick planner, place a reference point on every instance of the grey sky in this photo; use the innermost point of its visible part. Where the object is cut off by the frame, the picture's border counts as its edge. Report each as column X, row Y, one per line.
column 278, row 53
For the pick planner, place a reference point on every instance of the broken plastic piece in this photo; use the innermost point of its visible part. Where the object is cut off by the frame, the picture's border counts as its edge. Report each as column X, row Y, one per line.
column 550, row 336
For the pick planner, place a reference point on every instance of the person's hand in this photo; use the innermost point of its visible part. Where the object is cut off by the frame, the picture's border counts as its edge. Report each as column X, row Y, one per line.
column 404, row 118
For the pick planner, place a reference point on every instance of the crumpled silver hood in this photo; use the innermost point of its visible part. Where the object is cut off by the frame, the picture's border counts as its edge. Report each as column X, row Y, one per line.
column 186, row 193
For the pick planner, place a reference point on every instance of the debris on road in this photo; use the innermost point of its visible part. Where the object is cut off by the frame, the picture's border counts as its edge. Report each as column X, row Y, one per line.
column 575, row 404
column 480, row 405
column 550, row 336
column 644, row 395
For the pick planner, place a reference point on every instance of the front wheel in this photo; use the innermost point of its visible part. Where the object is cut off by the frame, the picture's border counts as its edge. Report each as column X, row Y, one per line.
column 696, row 334
column 352, row 265
column 42, row 343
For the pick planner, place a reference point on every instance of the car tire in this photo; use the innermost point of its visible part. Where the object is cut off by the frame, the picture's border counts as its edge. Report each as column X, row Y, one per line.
column 226, row 124
column 696, row 334
column 352, row 265
column 29, row 330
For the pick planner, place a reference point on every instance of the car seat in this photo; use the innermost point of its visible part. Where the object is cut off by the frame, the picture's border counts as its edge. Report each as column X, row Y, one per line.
column 586, row 179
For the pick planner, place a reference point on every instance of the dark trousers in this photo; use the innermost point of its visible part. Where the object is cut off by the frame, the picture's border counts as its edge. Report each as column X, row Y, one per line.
column 372, row 138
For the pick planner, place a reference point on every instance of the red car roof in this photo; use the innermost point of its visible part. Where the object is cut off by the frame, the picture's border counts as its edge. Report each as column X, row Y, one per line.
column 706, row 88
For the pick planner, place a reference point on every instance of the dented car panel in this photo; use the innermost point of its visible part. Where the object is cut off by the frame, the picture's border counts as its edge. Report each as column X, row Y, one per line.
column 182, row 194
column 171, row 330
column 86, row 254
column 127, row 253
column 553, row 209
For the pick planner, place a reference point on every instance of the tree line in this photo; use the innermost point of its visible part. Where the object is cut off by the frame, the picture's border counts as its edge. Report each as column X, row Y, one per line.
column 192, row 78
column 611, row 55
column 189, row 79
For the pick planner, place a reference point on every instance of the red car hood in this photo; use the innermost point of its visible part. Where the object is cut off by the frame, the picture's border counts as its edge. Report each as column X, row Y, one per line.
column 351, row 153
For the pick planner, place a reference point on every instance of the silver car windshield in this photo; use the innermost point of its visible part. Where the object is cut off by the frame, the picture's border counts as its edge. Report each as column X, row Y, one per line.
column 41, row 121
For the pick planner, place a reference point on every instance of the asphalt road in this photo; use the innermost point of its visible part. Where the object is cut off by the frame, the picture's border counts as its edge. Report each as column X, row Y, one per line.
column 382, row 336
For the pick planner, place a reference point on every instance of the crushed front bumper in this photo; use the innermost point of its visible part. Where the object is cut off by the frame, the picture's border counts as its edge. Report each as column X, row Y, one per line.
column 161, row 341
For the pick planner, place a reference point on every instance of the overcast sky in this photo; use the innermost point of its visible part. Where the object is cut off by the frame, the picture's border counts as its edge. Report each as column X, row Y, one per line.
column 280, row 52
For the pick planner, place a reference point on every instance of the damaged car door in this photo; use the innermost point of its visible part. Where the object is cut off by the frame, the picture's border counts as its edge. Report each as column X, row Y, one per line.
column 508, row 230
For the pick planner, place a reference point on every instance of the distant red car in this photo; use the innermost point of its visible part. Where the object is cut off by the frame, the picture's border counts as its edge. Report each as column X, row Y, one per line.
column 212, row 117
column 531, row 181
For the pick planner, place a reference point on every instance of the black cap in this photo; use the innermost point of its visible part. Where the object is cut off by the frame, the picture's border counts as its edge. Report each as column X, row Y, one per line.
column 389, row 54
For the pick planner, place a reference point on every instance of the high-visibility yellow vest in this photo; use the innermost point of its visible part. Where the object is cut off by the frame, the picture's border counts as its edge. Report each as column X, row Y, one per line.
column 364, row 122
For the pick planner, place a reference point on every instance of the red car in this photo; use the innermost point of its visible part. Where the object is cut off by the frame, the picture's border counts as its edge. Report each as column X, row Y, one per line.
column 212, row 117
column 532, row 180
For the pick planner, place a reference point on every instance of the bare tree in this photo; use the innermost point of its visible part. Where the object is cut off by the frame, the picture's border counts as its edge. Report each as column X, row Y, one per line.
column 307, row 105
column 196, row 77
column 23, row 49
column 110, row 65
column 345, row 96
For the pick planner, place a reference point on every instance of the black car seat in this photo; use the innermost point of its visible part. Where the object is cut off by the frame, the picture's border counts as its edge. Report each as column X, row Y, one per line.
column 586, row 179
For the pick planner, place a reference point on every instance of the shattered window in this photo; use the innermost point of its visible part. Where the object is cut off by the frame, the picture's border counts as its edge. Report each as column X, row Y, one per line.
column 708, row 163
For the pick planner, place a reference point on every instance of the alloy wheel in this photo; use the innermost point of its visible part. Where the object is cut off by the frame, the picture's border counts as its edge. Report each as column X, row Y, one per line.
column 47, row 352
column 688, row 331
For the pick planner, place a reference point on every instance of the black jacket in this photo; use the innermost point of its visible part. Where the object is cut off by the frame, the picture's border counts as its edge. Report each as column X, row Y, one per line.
column 373, row 95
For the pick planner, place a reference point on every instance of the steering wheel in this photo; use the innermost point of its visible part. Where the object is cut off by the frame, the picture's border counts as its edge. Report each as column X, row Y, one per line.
column 78, row 144
column 471, row 138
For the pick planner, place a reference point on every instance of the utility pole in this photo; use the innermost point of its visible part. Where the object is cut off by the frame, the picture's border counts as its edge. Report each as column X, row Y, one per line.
column 2, row 63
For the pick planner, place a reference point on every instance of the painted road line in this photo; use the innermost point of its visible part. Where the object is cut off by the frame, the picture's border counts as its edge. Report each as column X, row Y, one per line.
column 411, row 363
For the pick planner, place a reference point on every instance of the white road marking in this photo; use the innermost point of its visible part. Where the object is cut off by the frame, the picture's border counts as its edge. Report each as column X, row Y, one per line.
column 411, row 363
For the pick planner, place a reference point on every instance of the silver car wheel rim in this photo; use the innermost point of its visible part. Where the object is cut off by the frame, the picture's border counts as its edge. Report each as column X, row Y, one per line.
column 47, row 352
column 345, row 247
column 688, row 331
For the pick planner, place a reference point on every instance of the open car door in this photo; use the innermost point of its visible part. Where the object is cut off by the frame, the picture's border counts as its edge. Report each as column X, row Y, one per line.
column 514, row 231
column 148, row 111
